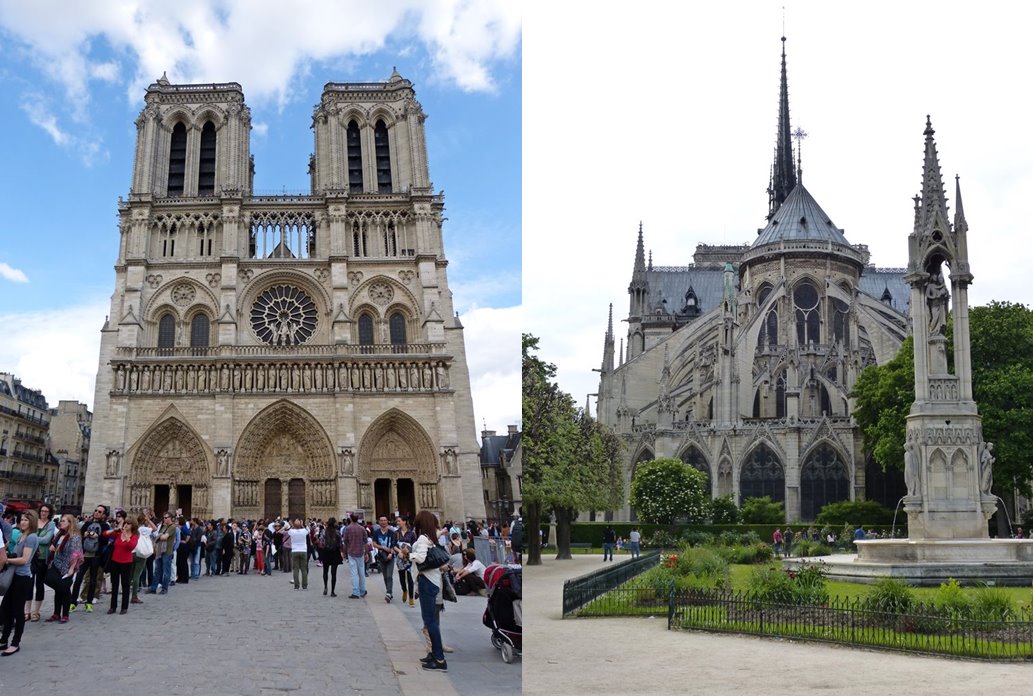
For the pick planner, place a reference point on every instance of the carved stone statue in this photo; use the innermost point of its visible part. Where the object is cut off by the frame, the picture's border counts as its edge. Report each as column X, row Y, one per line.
column 986, row 463
column 936, row 296
column 222, row 463
column 912, row 470
column 114, row 462
column 346, row 461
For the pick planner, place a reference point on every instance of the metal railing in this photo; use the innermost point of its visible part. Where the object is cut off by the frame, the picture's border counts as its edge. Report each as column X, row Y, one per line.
column 265, row 350
column 578, row 592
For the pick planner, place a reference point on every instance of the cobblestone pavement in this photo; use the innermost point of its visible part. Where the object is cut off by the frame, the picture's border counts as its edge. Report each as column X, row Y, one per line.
column 222, row 635
column 620, row 656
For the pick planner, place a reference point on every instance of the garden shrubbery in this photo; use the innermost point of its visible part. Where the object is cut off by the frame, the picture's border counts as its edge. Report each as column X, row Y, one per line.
column 774, row 584
column 890, row 596
column 806, row 547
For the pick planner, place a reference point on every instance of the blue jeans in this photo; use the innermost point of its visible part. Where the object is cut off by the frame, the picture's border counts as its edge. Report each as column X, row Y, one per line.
column 634, row 549
column 212, row 562
column 429, row 612
column 607, row 552
column 357, row 565
column 195, row 563
column 162, row 572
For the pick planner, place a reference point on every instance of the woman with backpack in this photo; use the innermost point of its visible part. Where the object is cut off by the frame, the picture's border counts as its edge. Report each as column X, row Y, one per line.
column 330, row 554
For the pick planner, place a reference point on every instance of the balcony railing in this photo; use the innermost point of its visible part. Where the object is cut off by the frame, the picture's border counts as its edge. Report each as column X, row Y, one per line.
column 278, row 352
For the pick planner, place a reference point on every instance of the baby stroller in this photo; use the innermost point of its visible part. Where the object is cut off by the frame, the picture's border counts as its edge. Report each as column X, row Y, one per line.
column 503, row 614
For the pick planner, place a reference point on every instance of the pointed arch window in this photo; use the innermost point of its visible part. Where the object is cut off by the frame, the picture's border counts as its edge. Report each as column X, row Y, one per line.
column 808, row 315
column 166, row 334
column 840, row 315
column 354, row 158
column 359, row 240
column 768, row 335
column 366, row 333
column 200, row 329
column 762, row 474
column 177, row 160
column 206, row 163
column 780, row 396
column 383, row 152
column 398, row 338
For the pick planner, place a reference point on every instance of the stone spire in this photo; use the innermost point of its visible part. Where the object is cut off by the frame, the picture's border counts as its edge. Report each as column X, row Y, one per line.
column 639, row 288
column 664, row 401
column 783, row 171
column 640, row 252
column 933, row 212
column 960, row 224
column 608, row 345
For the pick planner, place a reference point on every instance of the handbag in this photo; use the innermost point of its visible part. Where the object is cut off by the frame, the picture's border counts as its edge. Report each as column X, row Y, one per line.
column 53, row 577
column 6, row 577
column 144, row 546
column 448, row 590
column 436, row 557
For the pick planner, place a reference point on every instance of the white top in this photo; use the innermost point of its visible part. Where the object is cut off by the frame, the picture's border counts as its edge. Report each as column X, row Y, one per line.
column 634, row 537
column 419, row 555
column 476, row 567
column 299, row 540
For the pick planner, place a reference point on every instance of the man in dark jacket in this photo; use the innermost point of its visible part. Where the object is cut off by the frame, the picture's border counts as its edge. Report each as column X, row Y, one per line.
column 609, row 539
column 94, row 543
column 516, row 539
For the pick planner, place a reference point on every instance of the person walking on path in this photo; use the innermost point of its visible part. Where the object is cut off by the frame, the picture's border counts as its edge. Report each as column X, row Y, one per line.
column 776, row 541
column 124, row 540
column 355, row 547
column 12, row 614
column 299, row 553
column 609, row 539
column 385, row 541
column 331, row 555
column 406, row 538
column 429, row 586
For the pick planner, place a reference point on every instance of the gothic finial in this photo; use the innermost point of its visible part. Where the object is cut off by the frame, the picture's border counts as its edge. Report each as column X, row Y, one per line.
column 783, row 172
column 960, row 224
column 650, row 259
column 164, row 79
column 640, row 254
column 609, row 325
column 621, row 358
column 934, row 202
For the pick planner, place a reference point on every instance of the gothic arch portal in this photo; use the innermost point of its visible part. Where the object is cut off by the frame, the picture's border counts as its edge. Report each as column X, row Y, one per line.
column 398, row 468
column 169, row 468
column 284, row 464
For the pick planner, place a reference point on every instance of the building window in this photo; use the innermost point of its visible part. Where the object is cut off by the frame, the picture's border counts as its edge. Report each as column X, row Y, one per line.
column 824, row 479
column 366, row 333
column 390, row 239
column 354, row 159
column 168, row 242
column 840, row 312
column 166, row 333
column 383, row 152
column 762, row 475
column 177, row 160
column 359, row 240
column 206, row 164
column 199, row 332
column 808, row 321
column 397, row 325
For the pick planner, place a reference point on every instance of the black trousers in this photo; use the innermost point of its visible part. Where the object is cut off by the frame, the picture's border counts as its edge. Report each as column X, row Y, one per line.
column 120, row 577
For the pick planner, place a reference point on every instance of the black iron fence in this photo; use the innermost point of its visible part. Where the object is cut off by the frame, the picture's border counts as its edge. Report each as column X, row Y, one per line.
column 578, row 592
column 923, row 629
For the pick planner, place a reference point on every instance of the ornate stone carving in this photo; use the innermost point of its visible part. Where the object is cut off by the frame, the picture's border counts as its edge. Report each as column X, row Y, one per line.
column 912, row 470
column 406, row 276
column 183, row 294
column 450, row 461
column 245, row 274
column 986, row 464
column 345, row 461
column 222, row 463
column 354, row 277
column 154, row 280
column 213, row 279
column 114, row 463
column 284, row 315
column 381, row 293
column 322, row 274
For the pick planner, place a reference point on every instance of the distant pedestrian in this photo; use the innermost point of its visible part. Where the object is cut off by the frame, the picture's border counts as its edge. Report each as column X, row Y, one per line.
column 330, row 555
column 299, row 554
column 609, row 539
column 635, row 539
column 385, row 543
column 516, row 540
column 787, row 540
column 776, row 540
column 355, row 547
column 406, row 538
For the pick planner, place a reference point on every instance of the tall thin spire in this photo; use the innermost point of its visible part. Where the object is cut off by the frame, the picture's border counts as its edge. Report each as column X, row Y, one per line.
column 933, row 212
column 640, row 251
column 783, row 171
column 960, row 224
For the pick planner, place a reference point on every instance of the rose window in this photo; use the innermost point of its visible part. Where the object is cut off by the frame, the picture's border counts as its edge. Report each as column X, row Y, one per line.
column 283, row 316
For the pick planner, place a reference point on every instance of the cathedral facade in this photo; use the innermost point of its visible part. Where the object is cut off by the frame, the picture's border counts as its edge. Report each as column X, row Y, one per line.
column 283, row 355
column 742, row 363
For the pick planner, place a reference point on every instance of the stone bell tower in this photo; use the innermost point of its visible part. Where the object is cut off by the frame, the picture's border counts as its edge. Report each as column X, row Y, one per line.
column 948, row 466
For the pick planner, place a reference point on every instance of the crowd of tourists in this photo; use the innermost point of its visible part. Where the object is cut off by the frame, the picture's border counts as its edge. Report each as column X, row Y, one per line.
column 81, row 558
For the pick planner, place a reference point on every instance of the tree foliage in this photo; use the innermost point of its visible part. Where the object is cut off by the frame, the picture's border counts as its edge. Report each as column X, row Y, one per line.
column 664, row 490
column 1001, row 335
column 571, row 462
column 762, row 511
column 724, row 511
column 855, row 512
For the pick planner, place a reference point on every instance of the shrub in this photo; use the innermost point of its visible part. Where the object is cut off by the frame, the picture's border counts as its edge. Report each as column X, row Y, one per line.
column 855, row 512
column 659, row 581
column 664, row 490
column 951, row 600
column 694, row 537
column 805, row 586
column 992, row 604
column 807, row 547
column 702, row 568
column 730, row 538
column 724, row 511
column 762, row 511
column 889, row 596
column 662, row 539
column 745, row 555
column 810, row 583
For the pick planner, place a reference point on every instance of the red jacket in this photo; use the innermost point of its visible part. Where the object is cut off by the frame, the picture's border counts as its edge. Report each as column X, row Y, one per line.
column 123, row 551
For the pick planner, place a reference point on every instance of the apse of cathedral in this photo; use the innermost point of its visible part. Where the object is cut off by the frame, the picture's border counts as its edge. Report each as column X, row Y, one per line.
column 742, row 362
column 283, row 355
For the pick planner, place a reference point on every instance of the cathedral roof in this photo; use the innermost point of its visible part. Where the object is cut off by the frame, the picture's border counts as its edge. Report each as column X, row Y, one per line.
column 800, row 218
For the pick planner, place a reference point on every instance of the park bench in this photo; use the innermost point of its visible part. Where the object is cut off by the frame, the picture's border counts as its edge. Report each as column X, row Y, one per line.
column 585, row 545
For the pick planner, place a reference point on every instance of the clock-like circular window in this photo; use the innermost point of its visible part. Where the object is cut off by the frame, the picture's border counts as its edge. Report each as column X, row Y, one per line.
column 283, row 315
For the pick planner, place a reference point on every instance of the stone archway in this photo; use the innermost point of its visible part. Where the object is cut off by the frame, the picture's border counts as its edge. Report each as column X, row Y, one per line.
column 170, row 468
column 284, row 451
column 398, row 468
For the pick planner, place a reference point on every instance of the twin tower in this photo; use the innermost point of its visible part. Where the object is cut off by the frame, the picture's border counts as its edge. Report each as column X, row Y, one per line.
column 283, row 355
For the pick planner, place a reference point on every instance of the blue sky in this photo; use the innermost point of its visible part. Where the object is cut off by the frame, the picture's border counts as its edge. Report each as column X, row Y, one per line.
column 74, row 81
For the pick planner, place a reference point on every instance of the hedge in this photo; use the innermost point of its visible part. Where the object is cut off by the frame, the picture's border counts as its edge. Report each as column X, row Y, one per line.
column 592, row 532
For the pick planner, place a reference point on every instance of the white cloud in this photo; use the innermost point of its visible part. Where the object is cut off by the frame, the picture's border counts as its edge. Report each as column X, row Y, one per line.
column 41, row 116
column 260, row 129
column 12, row 274
column 493, row 352
column 55, row 351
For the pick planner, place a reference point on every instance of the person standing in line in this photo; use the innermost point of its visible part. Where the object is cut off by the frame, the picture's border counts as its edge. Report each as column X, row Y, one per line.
column 285, row 563
column 355, row 547
column 121, row 564
column 196, row 534
column 93, row 549
column 331, row 555
column 406, row 538
column 67, row 557
column 299, row 553
column 12, row 614
column 385, row 541
column 184, row 552
column 144, row 527
column 229, row 543
column 163, row 553
column 635, row 539
column 609, row 539
column 45, row 536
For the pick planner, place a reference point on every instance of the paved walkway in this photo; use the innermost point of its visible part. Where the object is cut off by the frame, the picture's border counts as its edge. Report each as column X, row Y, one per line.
column 621, row 656
column 257, row 635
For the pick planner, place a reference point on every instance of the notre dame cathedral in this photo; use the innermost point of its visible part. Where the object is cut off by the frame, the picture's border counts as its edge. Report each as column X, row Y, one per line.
column 742, row 363
column 283, row 355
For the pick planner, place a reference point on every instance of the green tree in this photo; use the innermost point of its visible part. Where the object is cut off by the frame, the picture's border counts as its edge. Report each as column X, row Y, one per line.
column 762, row 511
column 855, row 512
column 884, row 395
column 724, row 511
column 571, row 462
column 664, row 490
